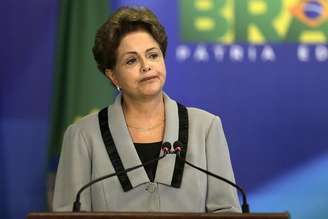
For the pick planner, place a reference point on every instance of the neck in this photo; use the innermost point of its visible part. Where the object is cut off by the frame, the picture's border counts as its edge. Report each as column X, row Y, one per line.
column 147, row 110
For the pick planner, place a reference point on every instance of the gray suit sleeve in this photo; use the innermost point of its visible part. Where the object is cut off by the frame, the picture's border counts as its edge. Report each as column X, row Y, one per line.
column 221, row 197
column 74, row 171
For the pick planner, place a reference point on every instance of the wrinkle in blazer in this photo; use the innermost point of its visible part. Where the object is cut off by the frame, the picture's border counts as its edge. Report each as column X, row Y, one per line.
column 84, row 157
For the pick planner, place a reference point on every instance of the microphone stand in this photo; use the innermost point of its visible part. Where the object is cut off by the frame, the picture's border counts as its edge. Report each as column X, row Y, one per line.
column 178, row 149
column 77, row 204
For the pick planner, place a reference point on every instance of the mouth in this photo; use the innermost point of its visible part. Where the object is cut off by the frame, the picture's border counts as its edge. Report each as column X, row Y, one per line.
column 148, row 78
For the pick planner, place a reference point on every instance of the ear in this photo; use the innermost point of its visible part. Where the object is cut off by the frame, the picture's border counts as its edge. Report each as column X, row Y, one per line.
column 111, row 76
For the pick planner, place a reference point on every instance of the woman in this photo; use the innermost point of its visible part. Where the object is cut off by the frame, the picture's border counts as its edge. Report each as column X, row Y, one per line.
column 130, row 49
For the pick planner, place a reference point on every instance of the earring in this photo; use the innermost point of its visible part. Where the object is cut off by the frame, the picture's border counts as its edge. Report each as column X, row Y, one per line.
column 118, row 88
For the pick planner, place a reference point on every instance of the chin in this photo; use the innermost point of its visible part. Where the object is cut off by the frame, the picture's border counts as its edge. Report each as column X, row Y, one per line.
column 154, row 88
column 152, row 92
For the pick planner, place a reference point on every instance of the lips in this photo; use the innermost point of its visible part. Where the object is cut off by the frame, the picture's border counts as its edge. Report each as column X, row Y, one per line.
column 148, row 78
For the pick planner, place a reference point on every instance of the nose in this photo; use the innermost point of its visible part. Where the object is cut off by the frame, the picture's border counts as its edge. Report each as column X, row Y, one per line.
column 145, row 67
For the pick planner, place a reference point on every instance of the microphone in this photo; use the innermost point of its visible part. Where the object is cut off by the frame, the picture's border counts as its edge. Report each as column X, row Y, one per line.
column 177, row 148
column 166, row 148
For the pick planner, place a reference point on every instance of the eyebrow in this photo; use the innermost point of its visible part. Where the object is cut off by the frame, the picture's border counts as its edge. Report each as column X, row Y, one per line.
column 133, row 52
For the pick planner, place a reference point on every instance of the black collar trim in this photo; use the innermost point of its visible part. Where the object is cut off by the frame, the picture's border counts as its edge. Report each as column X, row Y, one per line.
column 112, row 151
column 183, row 138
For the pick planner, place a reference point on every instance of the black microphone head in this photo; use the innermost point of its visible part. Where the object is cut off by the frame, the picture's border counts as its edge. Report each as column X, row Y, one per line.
column 166, row 147
column 177, row 146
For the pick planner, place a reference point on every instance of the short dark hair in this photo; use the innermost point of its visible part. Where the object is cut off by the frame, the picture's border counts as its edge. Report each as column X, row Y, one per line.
column 125, row 20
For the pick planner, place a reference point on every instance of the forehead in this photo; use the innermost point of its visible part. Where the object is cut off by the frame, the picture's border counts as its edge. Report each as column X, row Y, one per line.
column 138, row 41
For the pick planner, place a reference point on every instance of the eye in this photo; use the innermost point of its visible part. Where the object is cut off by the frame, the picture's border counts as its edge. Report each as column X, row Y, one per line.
column 131, row 61
column 153, row 55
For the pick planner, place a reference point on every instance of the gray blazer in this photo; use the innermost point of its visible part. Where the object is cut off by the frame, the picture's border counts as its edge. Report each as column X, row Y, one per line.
column 84, row 157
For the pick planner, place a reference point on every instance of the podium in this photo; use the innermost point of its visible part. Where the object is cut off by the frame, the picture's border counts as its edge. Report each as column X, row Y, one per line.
column 151, row 215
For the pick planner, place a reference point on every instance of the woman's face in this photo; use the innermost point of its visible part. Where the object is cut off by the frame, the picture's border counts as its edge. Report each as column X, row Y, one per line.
column 140, row 69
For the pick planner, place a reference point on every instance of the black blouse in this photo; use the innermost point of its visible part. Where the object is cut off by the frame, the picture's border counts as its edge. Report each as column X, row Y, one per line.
column 147, row 152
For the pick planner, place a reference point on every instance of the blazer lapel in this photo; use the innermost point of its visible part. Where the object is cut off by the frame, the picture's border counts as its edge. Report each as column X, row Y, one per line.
column 124, row 144
column 165, row 166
